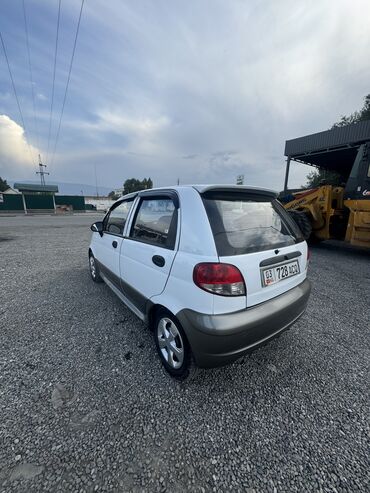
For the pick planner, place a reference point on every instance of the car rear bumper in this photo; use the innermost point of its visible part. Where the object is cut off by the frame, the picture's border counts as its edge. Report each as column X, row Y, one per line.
column 217, row 340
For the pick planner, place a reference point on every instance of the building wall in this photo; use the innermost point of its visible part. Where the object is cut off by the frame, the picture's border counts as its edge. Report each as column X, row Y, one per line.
column 11, row 191
column 101, row 203
column 119, row 191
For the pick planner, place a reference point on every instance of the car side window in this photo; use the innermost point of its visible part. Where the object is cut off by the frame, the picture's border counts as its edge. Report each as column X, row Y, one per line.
column 156, row 222
column 116, row 219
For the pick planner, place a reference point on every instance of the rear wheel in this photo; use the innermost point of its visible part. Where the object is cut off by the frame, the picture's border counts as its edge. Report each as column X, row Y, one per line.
column 94, row 269
column 172, row 345
column 303, row 222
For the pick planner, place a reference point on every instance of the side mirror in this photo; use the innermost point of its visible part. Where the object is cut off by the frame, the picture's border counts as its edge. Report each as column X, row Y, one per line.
column 97, row 227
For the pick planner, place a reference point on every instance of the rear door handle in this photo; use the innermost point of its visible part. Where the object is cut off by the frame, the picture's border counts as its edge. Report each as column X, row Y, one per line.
column 114, row 244
column 158, row 260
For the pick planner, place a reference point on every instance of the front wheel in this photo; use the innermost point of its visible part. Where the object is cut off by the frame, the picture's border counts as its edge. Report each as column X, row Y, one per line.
column 94, row 269
column 172, row 346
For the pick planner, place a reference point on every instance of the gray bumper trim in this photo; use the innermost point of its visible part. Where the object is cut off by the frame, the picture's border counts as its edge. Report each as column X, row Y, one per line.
column 220, row 339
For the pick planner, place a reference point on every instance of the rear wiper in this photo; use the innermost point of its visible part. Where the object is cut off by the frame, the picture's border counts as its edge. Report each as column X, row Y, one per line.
column 272, row 227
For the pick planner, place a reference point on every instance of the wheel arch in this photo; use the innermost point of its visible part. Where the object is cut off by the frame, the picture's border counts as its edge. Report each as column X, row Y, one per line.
column 151, row 313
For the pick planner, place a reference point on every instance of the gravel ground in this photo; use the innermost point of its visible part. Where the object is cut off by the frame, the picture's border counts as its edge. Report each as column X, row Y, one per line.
column 86, row 406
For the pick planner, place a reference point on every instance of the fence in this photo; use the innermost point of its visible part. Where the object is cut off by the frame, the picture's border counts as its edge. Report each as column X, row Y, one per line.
column 76, row 201
column 14, row 203
column 39, row 202
column 11, row 203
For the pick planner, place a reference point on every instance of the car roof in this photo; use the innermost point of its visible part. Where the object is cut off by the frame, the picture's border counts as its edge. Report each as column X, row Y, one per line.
column 205, row 188
column 220, row 188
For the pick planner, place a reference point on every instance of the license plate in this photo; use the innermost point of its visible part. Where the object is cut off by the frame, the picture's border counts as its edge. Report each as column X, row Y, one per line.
column 279, row 273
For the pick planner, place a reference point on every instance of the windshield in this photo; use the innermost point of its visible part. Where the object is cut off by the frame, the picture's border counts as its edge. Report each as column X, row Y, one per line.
column 243, row 224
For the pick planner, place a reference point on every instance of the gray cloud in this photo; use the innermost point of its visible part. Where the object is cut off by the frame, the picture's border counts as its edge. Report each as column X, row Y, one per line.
column 201, row 91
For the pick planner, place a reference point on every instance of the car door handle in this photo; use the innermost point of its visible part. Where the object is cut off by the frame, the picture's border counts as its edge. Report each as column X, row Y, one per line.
column 158, row 260
column 114, row 244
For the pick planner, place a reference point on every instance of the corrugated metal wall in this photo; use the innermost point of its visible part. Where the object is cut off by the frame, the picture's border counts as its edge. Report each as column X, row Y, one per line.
column 35, row 201
column 11, row 203
column 39, row 201
column 76, row 201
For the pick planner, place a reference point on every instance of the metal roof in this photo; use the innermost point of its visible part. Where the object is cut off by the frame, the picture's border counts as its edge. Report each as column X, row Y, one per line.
column 333, row 149
column 31, row 187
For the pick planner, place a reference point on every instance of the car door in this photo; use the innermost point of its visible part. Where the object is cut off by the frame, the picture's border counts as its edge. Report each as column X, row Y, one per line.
column 148, row 250
column 108, row 246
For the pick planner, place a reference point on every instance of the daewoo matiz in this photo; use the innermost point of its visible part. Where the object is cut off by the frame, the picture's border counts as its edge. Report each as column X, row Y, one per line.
column 214, row 270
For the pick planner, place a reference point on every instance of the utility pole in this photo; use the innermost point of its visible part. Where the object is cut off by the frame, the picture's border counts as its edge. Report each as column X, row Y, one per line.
column 286, row 174
column 41, row 172
column 96, row 182
column 178, row 181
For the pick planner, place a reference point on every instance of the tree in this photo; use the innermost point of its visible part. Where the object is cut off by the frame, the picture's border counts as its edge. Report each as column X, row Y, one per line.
column 134, row 185
column 322, row 176
column 357, row 116
column 3, row 185
column 147, row 183
column 112, row 195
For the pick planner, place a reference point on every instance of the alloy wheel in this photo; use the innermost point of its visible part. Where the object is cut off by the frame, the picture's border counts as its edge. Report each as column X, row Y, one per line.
column 92, row 267
column 170, row 342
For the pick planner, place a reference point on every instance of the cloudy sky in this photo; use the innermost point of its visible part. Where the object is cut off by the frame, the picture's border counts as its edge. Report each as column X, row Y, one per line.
column 200, row 90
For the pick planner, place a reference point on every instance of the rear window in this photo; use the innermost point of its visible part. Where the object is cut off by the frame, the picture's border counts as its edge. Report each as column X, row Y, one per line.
column 243, row 223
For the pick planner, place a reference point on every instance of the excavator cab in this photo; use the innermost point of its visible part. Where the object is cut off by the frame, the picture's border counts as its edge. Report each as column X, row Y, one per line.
column 358, row 184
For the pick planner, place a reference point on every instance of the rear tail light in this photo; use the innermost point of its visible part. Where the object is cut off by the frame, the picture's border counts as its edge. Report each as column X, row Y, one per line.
column 222, row 279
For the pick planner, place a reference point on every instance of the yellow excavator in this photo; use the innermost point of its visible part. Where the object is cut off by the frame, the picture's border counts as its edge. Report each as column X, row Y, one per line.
column 327, row 211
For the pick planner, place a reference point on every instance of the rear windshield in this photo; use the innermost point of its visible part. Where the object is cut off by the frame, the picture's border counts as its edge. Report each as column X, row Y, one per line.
column 243, row 223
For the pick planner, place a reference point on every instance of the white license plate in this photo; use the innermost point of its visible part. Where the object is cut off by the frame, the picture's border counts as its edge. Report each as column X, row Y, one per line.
column 279, row 273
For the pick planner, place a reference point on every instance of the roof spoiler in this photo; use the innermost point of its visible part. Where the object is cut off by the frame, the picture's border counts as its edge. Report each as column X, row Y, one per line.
column 261, row 192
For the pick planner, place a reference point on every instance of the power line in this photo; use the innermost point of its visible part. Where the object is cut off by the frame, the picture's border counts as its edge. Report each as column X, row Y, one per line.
column 15, row 94
column 67, row 85
column 52, row 92
column 31, row 76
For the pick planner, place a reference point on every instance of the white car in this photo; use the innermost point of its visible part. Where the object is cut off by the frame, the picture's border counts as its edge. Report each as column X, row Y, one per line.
column 214, row 270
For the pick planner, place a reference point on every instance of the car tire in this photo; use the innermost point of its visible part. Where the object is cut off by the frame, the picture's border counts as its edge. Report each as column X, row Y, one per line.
column 172, row 346
column 94, row 269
